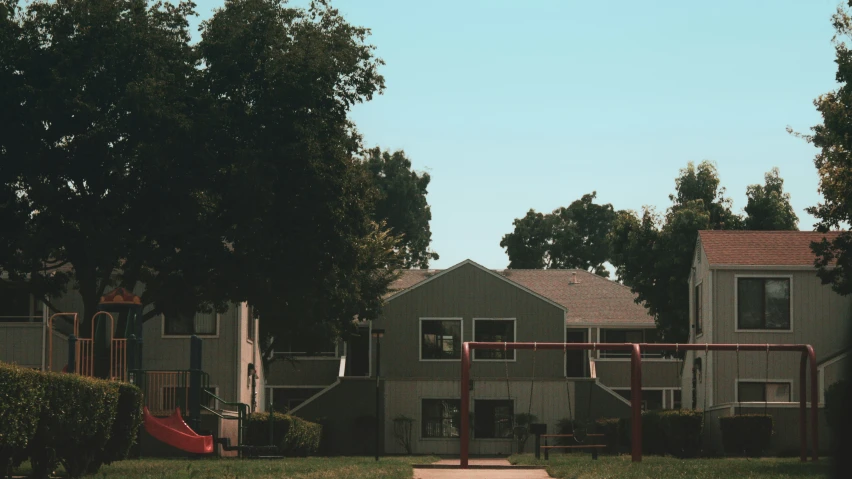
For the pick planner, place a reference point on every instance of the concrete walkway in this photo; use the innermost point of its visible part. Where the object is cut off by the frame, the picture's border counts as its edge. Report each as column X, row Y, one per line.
column 496, row 473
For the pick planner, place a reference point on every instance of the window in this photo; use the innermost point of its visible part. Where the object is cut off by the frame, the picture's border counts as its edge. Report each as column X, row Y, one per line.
column 755, row 391
column 763, row 303
column 494, row 331
column 493, row 418
column 699, row 320
column 441, row 418
column 200, row 324
column 676, row 399
column 16, row 306
column 250, row 323
column 440, row 339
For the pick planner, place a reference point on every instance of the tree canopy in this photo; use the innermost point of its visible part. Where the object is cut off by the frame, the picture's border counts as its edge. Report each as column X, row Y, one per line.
column 833, row 138
column 768, row 207
column 219, row 172
column 569, row 237
column 401, row 204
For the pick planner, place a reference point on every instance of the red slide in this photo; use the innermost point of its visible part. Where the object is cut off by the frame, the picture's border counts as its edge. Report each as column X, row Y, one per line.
column 174, row 432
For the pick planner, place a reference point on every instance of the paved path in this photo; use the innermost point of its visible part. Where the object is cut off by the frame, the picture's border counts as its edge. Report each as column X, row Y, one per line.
column 479, row 473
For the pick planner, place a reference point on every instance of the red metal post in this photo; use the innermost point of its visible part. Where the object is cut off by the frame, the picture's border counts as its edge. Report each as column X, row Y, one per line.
column 803, row 417
column 814, row 405
column 465, row 405
column 636, row 402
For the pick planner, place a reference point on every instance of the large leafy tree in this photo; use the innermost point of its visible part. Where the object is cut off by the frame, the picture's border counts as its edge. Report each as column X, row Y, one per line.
column 653, row 253
column 768, row 206
column 401, row 204
column 833, row 137
column 101, row 171
column 310, row 256
column 569, row 237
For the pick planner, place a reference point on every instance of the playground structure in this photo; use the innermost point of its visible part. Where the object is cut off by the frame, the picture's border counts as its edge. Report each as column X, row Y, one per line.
column 807, row 366
column 113, row 351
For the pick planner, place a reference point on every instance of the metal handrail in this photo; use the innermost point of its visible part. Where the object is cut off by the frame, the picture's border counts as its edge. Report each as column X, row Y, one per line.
column 241, row 418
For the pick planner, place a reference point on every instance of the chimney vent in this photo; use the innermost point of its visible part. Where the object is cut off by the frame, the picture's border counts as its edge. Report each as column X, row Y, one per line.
column 573, row 277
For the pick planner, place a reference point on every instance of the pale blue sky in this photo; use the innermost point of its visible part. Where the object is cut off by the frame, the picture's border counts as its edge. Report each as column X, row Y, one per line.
column 530, row 104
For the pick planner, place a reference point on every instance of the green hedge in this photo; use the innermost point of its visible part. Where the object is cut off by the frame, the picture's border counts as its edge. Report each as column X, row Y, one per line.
column 610, row 428
column 676, row 432
column 76, row 422
column 293, row 435
column 21, row 396
column 747, row 434
column 54, row 419
column 682, row 430
column 837, row 397
column 125, row 428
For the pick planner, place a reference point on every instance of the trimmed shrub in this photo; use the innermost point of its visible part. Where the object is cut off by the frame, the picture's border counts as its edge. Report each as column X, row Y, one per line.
column 125, row 427
column 293, row 435
column 747, row 434
column 837, row 397
column 75, row 424
column 609, row 427
column 21, row 397
column 682, row 431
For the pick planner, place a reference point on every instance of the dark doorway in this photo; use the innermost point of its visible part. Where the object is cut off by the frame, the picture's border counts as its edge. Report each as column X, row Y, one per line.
column 358, row 354
column 575, row 361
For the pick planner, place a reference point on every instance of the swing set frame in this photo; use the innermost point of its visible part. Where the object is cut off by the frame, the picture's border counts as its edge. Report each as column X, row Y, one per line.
column 808, row 362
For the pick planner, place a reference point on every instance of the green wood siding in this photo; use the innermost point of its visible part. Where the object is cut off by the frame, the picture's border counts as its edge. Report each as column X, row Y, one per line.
column 468, row 292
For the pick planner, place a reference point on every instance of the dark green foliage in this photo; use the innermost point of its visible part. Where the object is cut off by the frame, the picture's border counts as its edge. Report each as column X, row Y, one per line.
column 21, row 397
column 125, row 427
column 75, row 424
column 682, row 429
column 833, row 138
column 610, row 428
column 572, row 237
column 293, row 435
column 674, row 432
column 401, row 204
column 747, row 434
column 838, row 397
column 768, row 207
column 653, row 254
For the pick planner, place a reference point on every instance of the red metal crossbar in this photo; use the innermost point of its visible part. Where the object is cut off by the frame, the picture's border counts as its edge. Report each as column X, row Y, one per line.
column 636, row 383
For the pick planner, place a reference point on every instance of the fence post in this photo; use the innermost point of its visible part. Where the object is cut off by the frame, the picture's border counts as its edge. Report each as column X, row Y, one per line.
column 72, row 354
column 194, row 405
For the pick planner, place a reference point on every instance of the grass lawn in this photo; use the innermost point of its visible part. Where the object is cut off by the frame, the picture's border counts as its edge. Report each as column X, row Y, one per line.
column 297, row 468
column 581, row 466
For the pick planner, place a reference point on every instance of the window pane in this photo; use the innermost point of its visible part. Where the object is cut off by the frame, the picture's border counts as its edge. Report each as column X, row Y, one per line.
column 496, row 331
column 750, row 303
column 777, row 303
column 778, row 392
column 205, row 324
column 752, row 392
column 441, row 417
column 493, row 418
column 441, row 339
column 699, row 323
column 178, row 324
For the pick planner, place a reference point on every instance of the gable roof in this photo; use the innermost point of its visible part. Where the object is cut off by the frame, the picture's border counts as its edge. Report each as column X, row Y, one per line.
column 761, row 248
column 591, row 300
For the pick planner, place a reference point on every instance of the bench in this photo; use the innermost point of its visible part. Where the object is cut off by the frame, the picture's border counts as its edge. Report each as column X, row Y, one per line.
column 547, row 448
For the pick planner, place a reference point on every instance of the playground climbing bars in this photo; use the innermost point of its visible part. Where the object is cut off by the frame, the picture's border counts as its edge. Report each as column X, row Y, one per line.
column 636, row 349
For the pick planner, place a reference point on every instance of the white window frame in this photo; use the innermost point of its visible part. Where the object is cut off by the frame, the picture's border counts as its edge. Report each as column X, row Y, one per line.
column 420, row 342
column 249, row 319
column 185, row 336
column 514, row 334
column 737, row 306
column 737, row 382
column 420, row 416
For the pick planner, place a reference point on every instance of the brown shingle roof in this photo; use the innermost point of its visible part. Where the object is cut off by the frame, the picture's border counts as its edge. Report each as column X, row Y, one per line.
column 761, row 248
column 591, row 300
